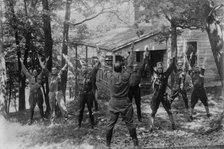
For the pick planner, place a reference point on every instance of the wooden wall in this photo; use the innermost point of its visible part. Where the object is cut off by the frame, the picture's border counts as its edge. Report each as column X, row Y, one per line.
column 203, row 50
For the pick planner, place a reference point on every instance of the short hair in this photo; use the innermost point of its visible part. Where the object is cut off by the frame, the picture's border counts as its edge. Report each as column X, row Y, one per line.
column 118, row 67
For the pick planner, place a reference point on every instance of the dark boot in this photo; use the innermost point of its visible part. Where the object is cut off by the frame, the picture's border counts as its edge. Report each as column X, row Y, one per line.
column 31, row 116
column 91, row 119
column 109, row 137
column 80, row 117
column 133, row 135
column 30, row 122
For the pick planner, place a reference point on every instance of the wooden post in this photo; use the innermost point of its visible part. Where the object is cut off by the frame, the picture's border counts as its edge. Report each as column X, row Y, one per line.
column 86, row 54
column 114, row 58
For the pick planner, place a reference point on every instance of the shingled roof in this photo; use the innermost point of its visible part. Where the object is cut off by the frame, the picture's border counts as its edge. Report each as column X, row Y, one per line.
column 119, row 37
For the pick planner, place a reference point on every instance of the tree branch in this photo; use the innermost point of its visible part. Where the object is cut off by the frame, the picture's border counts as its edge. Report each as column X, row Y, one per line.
column 214, row 9
column 101, row 12
column 119, row 18
column 90, row 18
column 169, row 19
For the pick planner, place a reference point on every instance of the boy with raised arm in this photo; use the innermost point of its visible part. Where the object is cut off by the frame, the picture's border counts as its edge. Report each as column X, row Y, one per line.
column 159, row 94
column 87, row 92
column 119, row 102
column 197, row 75
column 55, row 90
column 181, row 84
column 134, row 90
column 36, row 96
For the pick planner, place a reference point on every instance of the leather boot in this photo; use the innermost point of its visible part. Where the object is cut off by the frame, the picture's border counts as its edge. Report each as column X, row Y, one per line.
column 133, row 135
column 109, row 137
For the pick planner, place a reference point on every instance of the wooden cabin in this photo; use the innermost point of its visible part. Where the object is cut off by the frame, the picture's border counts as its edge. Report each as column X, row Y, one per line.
column 116, row 43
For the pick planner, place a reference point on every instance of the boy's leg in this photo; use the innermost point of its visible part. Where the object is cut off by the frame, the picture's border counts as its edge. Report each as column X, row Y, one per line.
column 154, row 107
column 137, row 96
column 89, row 106
column 32, row 102
column 81, row 107
column 40, row 102
column 113, row 117
column 127, row 115
column 204, row 100
column 61, row 104
column 167, row 106
column 194, row 100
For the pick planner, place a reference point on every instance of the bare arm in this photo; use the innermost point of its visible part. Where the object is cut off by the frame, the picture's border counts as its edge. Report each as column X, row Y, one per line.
column 171, row 67
column 45, row 71
column 130, row 61
column 63, row 69
column 131, row 57
column 24, row 69
column 70, row 65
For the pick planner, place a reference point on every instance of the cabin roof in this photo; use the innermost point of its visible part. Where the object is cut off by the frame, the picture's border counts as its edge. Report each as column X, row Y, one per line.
column 115, row 39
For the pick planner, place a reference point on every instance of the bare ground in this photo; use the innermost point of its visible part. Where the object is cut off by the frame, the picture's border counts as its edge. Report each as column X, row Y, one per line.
column 15, row 133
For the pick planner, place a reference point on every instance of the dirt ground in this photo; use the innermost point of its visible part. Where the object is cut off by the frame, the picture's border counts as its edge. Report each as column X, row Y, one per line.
column 16, row 134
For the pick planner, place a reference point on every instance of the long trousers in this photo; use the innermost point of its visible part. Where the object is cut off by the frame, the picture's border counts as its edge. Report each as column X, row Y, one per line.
column 95, row 92
column 36, row 98
column 184, row 96
column 127, row 115
column 158, row 98
column 199, row 93
column 134, row 91
column 59, row 98
column 86, row 98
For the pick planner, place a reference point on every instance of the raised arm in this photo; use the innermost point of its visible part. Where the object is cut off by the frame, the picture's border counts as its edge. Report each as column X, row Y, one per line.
column 45, row 71
column 171, row 67
column 63, row 69
column 144, row 61
column 148, row 61
column 70, row 65
column 24, row 69
column 202, row 71
column 131, row 57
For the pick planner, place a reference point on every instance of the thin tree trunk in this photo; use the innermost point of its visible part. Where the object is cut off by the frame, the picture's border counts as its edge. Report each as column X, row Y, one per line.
column 20, row 77
column 2, row 68
column 215, row 34
column 10, row 97
column 47, row 48
column 22, row 100
column 173, row 45
column 65, row 46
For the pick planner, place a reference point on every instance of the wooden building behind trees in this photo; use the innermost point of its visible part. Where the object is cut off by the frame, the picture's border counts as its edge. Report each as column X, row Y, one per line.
column 116, row 43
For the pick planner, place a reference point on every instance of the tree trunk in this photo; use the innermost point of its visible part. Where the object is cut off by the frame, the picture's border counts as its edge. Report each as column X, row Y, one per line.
column 47, row 47
column 22, row 97
column 217, row 49
column 215, row 35
column 20, row 77
column 173, row 45
column 65, row 46
column 2, row 69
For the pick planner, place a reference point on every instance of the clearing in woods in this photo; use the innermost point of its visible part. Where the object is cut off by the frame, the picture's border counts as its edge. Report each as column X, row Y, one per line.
column 15, row 133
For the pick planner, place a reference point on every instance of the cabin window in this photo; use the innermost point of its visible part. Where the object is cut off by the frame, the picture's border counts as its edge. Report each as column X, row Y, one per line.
column 139, row 56
column 191, row 53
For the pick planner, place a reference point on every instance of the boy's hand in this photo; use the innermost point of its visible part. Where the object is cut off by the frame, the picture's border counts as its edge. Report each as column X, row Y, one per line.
column 132, row 46
column 65, row 56
column 21, row 60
